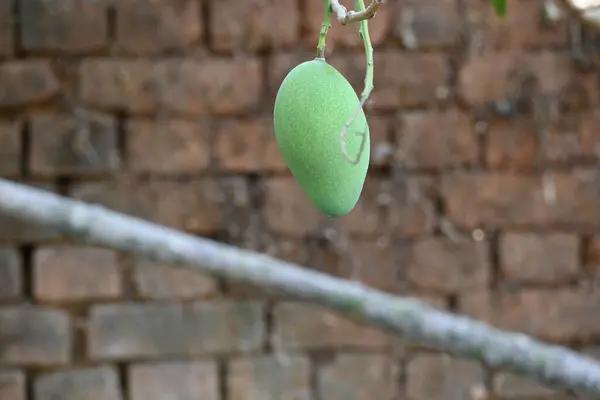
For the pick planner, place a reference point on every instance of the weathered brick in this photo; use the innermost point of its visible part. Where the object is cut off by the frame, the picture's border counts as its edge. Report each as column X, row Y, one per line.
column 279, row 376
column 155, row 280
column 298, row 325
column 421, row 83
column 10, row 148
column 162, row 330
column 24, row 82
column 68, row 26
column 505, row 75
column 545, row 258
column 176, row 379
column 288, row 210
column 81, row 144
column 366, row 218
column 588, row 140
column 382, row 145
column 372, row 262
column 7, row 23
column 511, row 144
column 12, row 385
column 556, row 315
column 437, row 377
column 181, row 146
column 357, row 376
column 65, row 273
column 11, row 275
column 254, row 26
column 439, row 264
column 90, row 383
column 194, row 205
column 288, row 249
column 509, row 385
column 502, row 199
column 567, row 140
column 522, row 28
column 149, row 27
column 591, row 256
column 344, row 36
column 14, row 229
column 35, row 336
column 175, row 86
column 280, row 64
column 411, row 200
column 248, row 145
column 427, row 24
column 438, row 139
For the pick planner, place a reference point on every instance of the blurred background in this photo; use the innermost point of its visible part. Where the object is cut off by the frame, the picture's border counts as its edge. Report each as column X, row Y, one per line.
column 482, row 198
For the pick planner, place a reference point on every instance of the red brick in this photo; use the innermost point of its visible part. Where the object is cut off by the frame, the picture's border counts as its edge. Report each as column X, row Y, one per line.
column 34, row 336
column 82, row 144
column 248, row 145
column 176, row 379
column 555, row 314
column 288, row 210
column 11, row 275
column 278, row 376
column 499, row 76
column 591, row 256
column 65, row 273
column 181, row 146
column 175, row 86
column 439, row 264
column 253, row 26
column 502, row 199
column 14, row 229
column 357, row 376
column 339, row 35
column 508, row 385
column 299, row 325
column 367, row 217
column 7, row 24
column 522, row 28
column 373, row 263
column 149, row 27
column 66, row 26
column 412, row 205
column 123, row 331
column 280, row 64
column 25, row 82
column 382, row 145
column 424, row 142
column 511, row 144
column 87, row 383
column 194, row 205
column 437, row 377
column 562, row 143
column 288, row 249
column 589, row 140
column 155, row 280
column 422, row 81
column 12, row 385
column 544, row 258
column 427, row 24
column 10, row 148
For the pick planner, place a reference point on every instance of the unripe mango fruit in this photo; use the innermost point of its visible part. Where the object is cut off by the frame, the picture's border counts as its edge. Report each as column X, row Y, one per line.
column 312, row 106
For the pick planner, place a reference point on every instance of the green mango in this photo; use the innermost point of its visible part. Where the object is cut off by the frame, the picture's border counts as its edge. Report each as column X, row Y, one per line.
column 312, row 106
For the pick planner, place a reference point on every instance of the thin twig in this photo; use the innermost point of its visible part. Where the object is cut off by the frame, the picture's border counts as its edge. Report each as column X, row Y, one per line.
column 456, row 335
column 346, row 17
column 363, row 31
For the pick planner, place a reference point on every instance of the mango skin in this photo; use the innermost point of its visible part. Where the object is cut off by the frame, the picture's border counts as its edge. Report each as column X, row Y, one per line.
column 312, row 105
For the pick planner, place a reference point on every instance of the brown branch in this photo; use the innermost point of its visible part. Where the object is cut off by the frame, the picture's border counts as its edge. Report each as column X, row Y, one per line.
column 346, row 17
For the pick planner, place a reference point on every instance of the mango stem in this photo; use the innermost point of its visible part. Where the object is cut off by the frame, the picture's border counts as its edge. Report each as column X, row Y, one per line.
column 324, row 29
column 363, row 31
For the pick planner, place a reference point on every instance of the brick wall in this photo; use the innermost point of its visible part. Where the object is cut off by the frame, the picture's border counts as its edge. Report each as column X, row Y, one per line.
column 482, row 197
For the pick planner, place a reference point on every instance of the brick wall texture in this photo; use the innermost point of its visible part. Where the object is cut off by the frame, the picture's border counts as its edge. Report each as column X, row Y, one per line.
column 482, row 197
